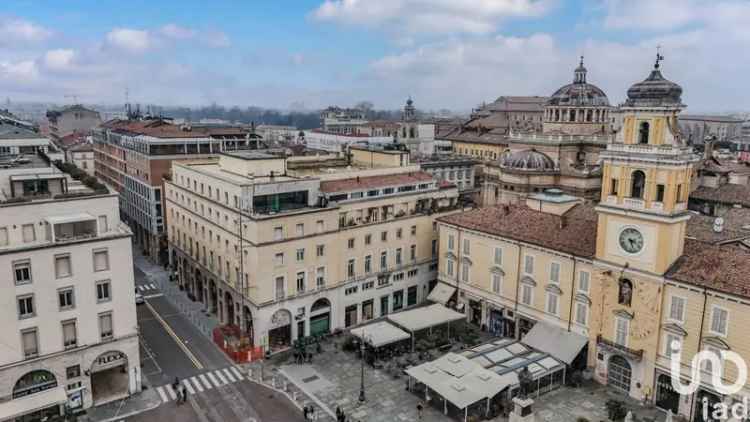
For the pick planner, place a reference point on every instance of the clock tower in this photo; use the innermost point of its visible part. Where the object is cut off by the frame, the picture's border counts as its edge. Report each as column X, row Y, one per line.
column 646, row 181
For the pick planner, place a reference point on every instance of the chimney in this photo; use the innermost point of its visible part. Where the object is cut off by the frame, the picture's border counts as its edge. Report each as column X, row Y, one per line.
column 563, row 221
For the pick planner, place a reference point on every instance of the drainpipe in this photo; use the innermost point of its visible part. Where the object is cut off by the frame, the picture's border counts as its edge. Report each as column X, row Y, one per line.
column 572, row 294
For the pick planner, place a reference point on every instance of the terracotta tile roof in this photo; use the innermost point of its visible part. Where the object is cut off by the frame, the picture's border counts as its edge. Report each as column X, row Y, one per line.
column 718, row 267
column 371, row 182
column 722, row 166
column 165, row 129
column 701, row 227
column 727, row 194
column 573, row 233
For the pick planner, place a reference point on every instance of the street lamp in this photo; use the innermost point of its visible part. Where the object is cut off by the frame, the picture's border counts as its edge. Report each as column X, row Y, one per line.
column 363, row 349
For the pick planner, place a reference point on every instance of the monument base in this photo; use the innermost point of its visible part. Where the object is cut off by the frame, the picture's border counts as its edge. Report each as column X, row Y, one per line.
column 522, row 411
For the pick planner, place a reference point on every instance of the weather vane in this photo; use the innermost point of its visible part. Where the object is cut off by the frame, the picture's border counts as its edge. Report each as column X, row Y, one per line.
column 659, row 57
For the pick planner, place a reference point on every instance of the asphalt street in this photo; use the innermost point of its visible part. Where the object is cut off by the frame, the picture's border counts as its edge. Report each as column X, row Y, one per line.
column 171, row 347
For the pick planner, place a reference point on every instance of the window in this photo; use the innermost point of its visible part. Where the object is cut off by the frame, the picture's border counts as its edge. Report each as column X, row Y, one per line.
column 279, row 286
column 300, row 229
column 413, row 252
column 434, row 248
column 368, row 239
column 528, row 265
column 413, row 230
column 103, row 226
column 62, row 266
column 659, row 193
column 622, row 327
column 638, row 184
column 278, row 258
column 527, row 294
column 582, row 313
column 320, row 277
column 351, row 290
column 677, row 309
column 552, row 302
column 301, row 282
column 719, row 318
column 678, row 196
column 643, row 133
column 30, row 343
column 70, row 339
column 497, row 280
column 28, row 233
column 103, row 293
column 613, row 188
column 398, row 300
column 411, row 296
column 73, row 371
column 669, row 339
column 101, row 260
column 105, row 326
column 350, row 268
column 449, row 267
column 301, row 254
column 707, row 364
column 3, row 236
column 384, row 236
column 465, row 273
column 278, row 233
column 398, row 256
column 22, row 271
column 65, row 298
column 320, row 250
column 25, row 306
column 554, row 272
column 467, row 249
column 320, row 225
column 368, row 264
column 383, row 260
column 350, row 243
column 450, row 242
column 498, row 256
column 399, row 233
column 584, row 278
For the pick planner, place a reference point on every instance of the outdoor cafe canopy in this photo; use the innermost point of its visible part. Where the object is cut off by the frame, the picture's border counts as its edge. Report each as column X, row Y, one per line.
column 425, row 317
column 380, row 334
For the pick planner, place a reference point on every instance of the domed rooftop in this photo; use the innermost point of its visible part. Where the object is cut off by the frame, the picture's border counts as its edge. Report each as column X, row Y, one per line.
column 528, row 160
column 580, row 92
column 655, row 90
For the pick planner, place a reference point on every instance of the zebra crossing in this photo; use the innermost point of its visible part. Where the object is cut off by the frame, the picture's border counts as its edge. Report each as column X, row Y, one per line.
column 147, row 287
column 202, row 382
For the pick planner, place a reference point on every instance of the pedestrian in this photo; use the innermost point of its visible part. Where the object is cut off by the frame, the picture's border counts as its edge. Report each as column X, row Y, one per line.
column 419, row 411
column 184, row 392
column 338, row 413
column 306, row 413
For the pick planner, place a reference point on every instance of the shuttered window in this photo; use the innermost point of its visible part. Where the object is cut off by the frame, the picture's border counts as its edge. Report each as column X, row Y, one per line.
column 69, row 334
column 28, row 233
column 101, row 260
column 30, row 345
column 62, row 266
column 105, row 326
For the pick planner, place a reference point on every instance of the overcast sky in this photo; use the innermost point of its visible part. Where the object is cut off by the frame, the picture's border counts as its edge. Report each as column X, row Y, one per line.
column 451, row 54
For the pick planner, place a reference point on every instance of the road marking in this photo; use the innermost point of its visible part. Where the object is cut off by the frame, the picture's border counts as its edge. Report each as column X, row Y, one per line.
column 152, row 286
column 213, row 379
column 179, row 342
column 189, row 387
column 237, row 372
column 153, row 296
column 171, row 391
column 197, row 383
column 162, row 394
column 205, row 381
column 229, row 375
column 221, row 377
column 140, row 288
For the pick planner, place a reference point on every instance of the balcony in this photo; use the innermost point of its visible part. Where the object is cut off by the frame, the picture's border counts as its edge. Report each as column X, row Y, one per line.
column 612, row 346
column 71, row 228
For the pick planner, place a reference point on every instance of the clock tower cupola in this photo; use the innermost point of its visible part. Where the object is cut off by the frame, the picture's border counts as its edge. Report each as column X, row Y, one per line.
column 646, row 180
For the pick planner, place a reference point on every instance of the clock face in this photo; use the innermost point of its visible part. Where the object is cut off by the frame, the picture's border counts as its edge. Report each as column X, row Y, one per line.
column 631, row 240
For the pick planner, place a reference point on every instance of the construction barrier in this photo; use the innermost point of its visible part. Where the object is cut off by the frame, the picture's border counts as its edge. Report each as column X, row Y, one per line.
column 229, row 340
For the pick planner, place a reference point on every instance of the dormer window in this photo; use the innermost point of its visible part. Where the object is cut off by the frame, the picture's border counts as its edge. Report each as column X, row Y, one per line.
column 643, row 133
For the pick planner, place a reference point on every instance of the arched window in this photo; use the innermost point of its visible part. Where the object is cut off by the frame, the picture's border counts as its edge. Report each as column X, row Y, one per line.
column 34, row 382
column 557, row 115
column 643, row 133
column 589, row 115
column 572, row 115
column 412, row 133
column 639, row 184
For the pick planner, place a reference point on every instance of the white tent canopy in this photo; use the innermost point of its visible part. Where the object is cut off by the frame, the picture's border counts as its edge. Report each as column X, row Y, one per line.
column 441, row 293
column 561, row 344
column 425, row 317
column 380, row 333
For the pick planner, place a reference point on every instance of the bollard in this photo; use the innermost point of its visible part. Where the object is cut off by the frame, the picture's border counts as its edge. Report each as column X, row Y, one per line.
column 273, row 381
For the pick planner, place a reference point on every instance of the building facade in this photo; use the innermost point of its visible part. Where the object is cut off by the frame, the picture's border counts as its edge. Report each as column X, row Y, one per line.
column 72, row 119
column 69, row 315
column 697, row 128
column 287, row 247
column 82, row 155
column 342, row 121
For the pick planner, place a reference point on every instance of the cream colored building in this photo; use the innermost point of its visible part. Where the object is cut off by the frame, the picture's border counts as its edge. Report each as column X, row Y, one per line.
column 69, row 328
column 635, row 273
column 290, row 247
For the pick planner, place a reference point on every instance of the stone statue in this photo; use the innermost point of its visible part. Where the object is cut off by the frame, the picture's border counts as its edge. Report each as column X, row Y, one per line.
column 525, row 379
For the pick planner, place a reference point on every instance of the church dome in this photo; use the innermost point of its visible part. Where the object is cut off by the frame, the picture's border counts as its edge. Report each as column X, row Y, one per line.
column 529, row 160
column 655, row 90
column 579, row 93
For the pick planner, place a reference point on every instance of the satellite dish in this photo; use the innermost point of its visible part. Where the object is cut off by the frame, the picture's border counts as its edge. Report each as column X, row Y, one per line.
column 718, row 225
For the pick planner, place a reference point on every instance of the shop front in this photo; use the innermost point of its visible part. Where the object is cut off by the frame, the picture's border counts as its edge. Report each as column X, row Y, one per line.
column 320, row 317
column 524, row 325
column 36, row 397
column 280, row 330
column 475, row 312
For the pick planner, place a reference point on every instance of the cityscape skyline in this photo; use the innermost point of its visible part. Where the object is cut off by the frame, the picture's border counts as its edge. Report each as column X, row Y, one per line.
column 342, row 52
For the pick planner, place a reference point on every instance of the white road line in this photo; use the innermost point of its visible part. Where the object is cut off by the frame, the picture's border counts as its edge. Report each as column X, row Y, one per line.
column 197, row 383
column 162, row 394
column 205, row 381
column 140, row 287
column 221, row 377
column 171, row 392
column 237, row 372
column 188, row 386
column 152, row 286
column 214, row 380
column 230, row 377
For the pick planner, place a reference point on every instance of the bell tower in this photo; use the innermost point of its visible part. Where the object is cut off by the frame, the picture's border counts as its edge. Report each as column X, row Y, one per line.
column 646, row 180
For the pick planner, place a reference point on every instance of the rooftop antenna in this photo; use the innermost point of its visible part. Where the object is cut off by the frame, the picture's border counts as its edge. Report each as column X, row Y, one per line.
column 659, row 57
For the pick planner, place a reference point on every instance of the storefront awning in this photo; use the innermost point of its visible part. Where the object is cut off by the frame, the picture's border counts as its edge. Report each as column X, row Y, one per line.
column 561, row 344
column 380, row 333
column 441, row 293
column 28, row 404
column 425, row 317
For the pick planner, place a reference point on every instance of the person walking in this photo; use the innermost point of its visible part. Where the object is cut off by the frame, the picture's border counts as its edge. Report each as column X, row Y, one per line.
column 420, row 408
column 184, row 393
column 306, row 413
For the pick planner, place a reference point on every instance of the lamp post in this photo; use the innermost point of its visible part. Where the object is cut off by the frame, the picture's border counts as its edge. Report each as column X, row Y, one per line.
column 362, row 371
